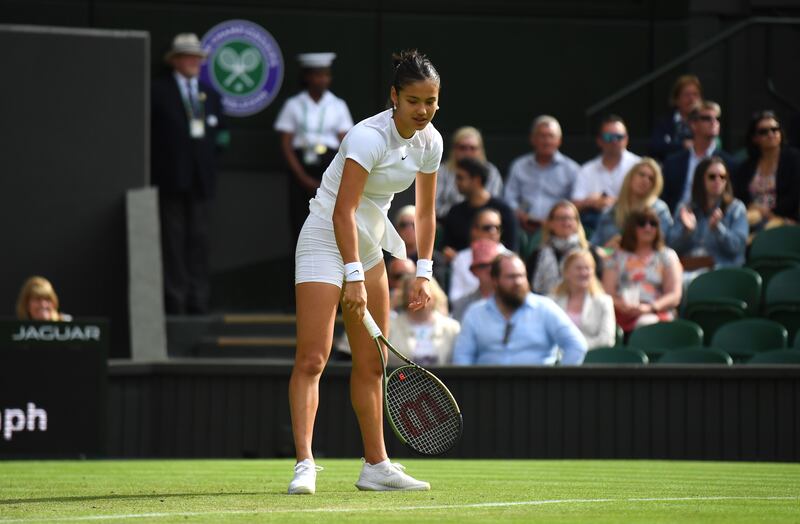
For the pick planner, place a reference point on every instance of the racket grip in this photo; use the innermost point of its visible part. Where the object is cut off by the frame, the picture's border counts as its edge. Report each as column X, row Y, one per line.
column 369, row 323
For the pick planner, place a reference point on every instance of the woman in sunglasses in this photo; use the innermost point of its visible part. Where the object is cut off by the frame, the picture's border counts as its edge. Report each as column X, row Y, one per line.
column 562, row 233
column 768, row 182
column 714, row 224
column 643, row 277
column 640, row 190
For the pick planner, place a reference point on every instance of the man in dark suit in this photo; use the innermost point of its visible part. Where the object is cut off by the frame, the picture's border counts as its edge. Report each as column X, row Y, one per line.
column 679, row 167
column 187, row 130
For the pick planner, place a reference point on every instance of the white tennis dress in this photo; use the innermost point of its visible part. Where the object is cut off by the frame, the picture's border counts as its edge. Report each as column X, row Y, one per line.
column 392, row 163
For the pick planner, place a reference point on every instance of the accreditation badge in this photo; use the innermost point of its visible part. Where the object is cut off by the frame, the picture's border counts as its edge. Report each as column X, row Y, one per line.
column 197, row 128
column 310, row 156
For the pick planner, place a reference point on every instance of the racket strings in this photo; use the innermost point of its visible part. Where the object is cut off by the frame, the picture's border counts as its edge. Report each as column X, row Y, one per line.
column 422, row 411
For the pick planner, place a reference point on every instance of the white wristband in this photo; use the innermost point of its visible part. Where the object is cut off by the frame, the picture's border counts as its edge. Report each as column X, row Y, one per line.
column 425, row 268
column 354, row 272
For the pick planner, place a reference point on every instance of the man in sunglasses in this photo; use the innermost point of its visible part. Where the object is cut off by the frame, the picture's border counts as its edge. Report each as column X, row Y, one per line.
column 704, row 121
column 599, row 180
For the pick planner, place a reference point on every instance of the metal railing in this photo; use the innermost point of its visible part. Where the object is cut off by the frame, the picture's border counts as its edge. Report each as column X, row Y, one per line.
column 697, row 50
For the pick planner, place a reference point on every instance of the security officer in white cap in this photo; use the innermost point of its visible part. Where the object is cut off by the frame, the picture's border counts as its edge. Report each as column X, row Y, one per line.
column 312, row 125
column 187, row 132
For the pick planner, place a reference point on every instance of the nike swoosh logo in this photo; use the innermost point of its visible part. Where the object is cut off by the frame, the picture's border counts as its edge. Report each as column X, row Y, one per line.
column 403, row 158
column 354, row 272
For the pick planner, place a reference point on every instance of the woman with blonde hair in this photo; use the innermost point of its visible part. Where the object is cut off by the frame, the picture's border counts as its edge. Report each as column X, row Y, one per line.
column 467, row 142
column 427, row 335
column 37, row 300
column 640, row 190
column 581, row 296
column 562, row 233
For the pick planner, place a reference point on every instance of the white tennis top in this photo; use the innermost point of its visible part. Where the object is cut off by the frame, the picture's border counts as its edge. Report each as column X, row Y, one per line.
column 312, row 122
column 392, row 162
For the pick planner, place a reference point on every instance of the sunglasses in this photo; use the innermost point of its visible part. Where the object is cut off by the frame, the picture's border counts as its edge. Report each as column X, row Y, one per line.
column 404, row 224
column 489, row 227
column 714, row 176
column 708, row 118
column 764, row 131
column 564, row 218
column 475, row 267
column 466, row 147
column 398, row 276
column 611, row 137
column 643, row 222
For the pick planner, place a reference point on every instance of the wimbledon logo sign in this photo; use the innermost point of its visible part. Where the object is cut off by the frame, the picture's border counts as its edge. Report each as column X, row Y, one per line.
column 244, row 65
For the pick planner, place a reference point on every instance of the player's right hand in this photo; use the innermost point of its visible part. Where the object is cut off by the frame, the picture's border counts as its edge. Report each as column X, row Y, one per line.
column 354, row 299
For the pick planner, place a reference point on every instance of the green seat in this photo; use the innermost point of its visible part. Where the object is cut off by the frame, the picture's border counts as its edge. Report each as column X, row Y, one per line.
column 522, row 244
column 775, row 250
column 657, row 339
column 744, row 338
column 782, row 300
column 619, row 338
column 616, row 355
column 776, row 356
column 721, row 296
column 797, row 340
column 533, row 241
column 696, row 356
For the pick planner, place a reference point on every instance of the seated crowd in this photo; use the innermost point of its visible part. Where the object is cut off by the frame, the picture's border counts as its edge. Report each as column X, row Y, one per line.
column 551, row 261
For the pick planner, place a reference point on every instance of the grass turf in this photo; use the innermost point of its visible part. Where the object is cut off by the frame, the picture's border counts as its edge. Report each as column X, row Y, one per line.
column 463, row 490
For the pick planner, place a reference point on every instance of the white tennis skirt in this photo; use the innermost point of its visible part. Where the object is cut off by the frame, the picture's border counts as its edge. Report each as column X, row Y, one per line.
column 317, row 257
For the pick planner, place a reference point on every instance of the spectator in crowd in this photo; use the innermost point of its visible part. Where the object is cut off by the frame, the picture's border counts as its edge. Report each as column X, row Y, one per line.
column 713, row 225
column 768, row 182
column 37, row 300
column 561, row 234
column 484, row 252
column 582, row 298
column 471, row 176
column 426, row 336
column 404, row 224
column 640, row 190
column 487, row 224
column 467, row 142
column 516, row 327
column 187, row 131
column 644, row 277
column 312, row 125
column 672, row 133
column 538, row 180
column 397, row 269
column 599, row 180
column 679, row 167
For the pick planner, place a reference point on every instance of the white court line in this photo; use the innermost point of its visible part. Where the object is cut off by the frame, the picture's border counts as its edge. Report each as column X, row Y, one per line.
column 366, row 510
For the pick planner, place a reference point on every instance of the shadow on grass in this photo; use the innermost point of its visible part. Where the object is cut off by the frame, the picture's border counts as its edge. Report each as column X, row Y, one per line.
column 137, row 496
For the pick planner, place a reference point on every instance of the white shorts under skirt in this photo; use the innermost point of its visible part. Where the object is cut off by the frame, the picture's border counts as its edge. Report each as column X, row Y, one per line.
column 317, row 257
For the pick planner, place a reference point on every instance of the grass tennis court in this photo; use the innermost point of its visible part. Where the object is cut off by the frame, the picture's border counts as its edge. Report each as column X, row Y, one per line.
column 463, row 490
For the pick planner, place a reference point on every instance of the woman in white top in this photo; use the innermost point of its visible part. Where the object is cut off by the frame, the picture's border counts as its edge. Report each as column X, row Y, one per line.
column 586, row 304
column 341, row 245
column 312, row 125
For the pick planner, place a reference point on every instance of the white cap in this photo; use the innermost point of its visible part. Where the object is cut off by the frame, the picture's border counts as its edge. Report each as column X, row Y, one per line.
column 315, row 60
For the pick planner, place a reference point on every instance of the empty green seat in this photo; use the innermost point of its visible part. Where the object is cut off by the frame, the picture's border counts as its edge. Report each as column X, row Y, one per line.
column 744, row 338
column 776, row 356
column 696, row 356
column 721, row 296
column 797, row 340
column 775, row 250
column 657, row 339
column 782, row 300
column 616, row 355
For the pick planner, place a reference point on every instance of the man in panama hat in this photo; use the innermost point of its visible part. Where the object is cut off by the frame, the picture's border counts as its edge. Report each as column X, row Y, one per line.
column 187, row 130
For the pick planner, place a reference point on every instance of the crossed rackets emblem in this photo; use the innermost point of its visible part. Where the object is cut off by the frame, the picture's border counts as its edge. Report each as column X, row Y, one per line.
column 238, row 66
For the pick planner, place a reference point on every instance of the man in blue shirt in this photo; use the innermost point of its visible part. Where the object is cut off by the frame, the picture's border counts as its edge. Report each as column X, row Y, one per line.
column 516, row 327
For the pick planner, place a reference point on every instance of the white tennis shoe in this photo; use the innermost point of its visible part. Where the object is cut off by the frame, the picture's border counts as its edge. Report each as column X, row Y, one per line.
column 305, row 478
column 388, row 476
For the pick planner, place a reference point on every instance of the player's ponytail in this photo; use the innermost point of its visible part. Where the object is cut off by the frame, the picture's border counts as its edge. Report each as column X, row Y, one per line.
column 411, row 66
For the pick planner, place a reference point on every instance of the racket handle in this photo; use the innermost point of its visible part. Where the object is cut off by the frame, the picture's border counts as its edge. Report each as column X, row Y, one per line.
column 369, row 323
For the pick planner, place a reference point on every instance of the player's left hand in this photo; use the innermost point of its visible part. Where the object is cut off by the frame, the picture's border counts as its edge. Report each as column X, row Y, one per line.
column 420, row 294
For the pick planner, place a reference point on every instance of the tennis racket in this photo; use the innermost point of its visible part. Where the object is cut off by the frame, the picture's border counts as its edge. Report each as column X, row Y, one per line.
column 420, row 409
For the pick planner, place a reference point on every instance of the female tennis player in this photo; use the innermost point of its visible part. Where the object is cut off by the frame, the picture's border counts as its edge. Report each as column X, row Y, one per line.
column 339, row 258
